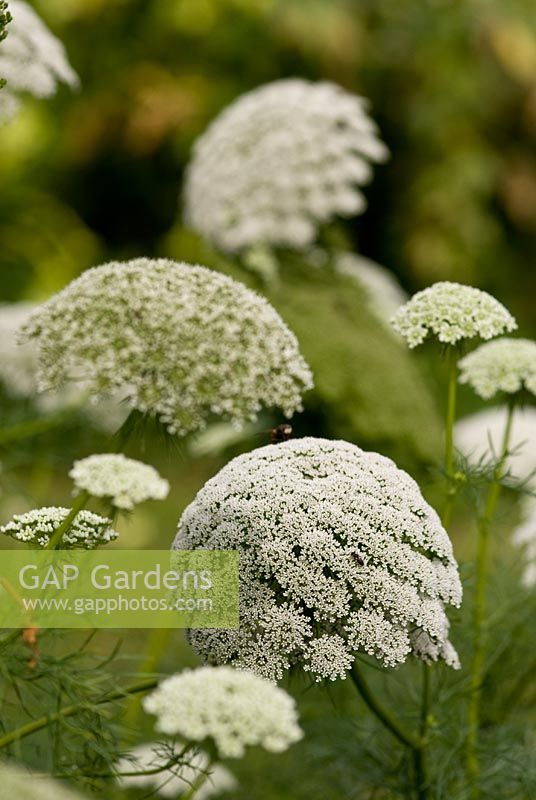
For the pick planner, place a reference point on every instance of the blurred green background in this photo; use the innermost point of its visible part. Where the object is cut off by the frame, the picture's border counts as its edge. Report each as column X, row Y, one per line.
column 452, row 85
column 96, row 175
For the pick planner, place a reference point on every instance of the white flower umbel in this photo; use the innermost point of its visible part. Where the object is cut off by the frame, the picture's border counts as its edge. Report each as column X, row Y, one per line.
column 339, row 553
column 125, row 481
column 19, row 784
column 233, row 709
column 479, row 437
column 507, row 365
column 32, row 59
column 451, row 312
column 382, row 291
column 279, row 162
column 185, row 342
column 177, row 780
column 87, row 531
column 524, row 536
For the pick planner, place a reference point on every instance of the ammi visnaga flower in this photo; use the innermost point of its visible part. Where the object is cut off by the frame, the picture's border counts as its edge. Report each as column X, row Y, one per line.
column 125, row 481
column 507, row 365
column 279, row 162
column 184, row 343
column 451, row 312
column 32, row 59
column 87, row 531
column 233, row 709
column 339, row 554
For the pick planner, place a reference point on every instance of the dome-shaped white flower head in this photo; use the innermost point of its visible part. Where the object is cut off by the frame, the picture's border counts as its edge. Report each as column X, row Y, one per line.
column 185, row 342
column 339, row 553
column 19, row 784
column 479, row 437
column 234, row 709
column 507, row 365
column 87, row 531
column 177, row 780
column 32, row 59
column 451, row 313
column 278, row 162
column 125, row 481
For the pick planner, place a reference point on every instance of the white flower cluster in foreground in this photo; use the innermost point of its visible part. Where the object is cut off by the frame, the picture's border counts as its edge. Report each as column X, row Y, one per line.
column 524, row 536
column 382, row 291
column 184, row 341
column 507, row 365
column 280, row 161
column 19, row 784
column 233, row 709
column 339, row 553
column 126, row 481
column 88, row 530
column 479, row 437
column 177, row 780
column 451, row 312
column 32, row 59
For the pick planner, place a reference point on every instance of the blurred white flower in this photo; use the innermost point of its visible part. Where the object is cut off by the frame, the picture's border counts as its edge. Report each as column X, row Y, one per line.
column 87, row 531
column 185, row 342
column 524, row 536
column 17, row 361
column 451, row 312
column 280, row 161
column 232, row 708
column 18, row 783
column 18, row 375
column 178, row 780
column 339, row 553
column 382, row 291
column 32, row 59
column 507, row 365
column 125, row 481
column 479, row 437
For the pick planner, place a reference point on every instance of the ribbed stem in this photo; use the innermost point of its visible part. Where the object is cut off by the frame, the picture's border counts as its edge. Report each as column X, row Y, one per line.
column 449, row 433
column 382, row 713
column 414, row 743
column 479, row 614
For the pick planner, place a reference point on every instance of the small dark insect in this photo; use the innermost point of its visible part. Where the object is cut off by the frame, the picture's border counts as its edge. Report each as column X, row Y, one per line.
column 281, row 434
column 358, row 559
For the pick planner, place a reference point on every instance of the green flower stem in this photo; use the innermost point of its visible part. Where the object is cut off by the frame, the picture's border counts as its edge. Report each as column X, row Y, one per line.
column 56, row 539
column 69, row 711
column 414, row 743
column 383, row 714
column 449, row 434
column 170, row 763
column 196, row 785
column 426, row 701
column 479, row 613
column 425, row 717
column 122, row 436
